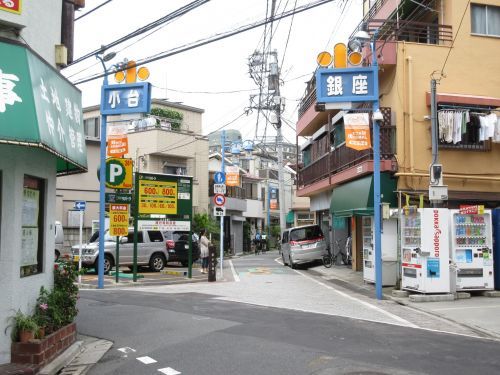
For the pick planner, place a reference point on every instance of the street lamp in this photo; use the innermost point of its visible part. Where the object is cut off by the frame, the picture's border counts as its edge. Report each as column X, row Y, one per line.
column 102, row 171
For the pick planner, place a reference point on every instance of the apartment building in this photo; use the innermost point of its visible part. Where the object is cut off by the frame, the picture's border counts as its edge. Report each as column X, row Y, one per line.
column 414, row 42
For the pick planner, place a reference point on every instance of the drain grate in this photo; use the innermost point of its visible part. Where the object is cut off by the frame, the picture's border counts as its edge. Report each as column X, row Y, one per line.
column 73, row 370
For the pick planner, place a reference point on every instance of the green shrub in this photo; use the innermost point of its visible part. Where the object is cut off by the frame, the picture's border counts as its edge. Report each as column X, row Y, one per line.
column 174, row 117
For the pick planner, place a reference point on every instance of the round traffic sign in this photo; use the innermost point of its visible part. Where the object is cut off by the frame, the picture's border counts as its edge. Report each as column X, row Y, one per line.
column 219, row 200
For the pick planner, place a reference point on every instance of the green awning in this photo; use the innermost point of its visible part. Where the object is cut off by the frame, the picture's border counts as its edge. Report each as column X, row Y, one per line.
column 290, row 217
column 40, row 108
column 355, row 198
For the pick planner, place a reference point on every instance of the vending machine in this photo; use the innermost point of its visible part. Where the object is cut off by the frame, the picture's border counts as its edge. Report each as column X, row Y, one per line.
column 425, row 251
column 472, row 247
column 389, row 239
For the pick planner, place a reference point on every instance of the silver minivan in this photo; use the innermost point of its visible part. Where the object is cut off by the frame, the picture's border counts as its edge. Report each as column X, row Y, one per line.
column 302, row 245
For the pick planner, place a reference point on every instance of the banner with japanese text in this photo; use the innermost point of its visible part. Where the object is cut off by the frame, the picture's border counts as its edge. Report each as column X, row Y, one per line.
column 357, row 131
column 117, row 140
column 232, row 175
column 118, row 219
column 40, row 108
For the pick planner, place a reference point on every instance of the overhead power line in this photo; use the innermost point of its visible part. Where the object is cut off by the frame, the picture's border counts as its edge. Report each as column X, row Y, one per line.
column 92, row 10
column 215, row 38
column 177, row 13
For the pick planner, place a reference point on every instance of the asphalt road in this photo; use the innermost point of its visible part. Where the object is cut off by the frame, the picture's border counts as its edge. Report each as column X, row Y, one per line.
column 204, row 329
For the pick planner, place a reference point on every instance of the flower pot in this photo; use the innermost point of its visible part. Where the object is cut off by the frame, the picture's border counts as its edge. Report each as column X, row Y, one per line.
column 41, row 332
column 25, row 336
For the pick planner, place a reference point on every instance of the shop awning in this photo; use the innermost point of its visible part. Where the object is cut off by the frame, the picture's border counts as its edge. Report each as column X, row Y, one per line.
column 355, row 198
column 40, row 108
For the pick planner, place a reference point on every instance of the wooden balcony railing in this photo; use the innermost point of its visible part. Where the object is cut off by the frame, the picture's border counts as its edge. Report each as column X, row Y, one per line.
column 343, row 158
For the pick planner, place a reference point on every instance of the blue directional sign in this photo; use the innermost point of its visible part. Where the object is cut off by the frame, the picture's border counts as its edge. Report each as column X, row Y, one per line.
column 346, row 85
column 127, row 98
column 80, row 205
column 219, row 177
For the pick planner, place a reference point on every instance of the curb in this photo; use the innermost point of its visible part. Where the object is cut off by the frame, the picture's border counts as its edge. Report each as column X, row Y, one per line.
column 62, row 360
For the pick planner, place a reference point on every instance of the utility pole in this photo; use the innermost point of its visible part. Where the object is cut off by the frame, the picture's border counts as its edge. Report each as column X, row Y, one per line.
column 269, row 74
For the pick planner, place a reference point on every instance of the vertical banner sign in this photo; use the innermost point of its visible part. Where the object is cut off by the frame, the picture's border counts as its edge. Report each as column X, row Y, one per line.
column 118, row 219
column 117, row 140
column 13, row 6
column 232, row 175
column 357, row 131
column 157, row 197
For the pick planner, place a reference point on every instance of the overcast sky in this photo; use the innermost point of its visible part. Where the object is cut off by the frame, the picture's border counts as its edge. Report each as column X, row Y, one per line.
column 217, row 67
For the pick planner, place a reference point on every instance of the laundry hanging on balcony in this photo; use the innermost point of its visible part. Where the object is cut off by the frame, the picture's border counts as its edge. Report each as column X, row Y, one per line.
column 464, row 126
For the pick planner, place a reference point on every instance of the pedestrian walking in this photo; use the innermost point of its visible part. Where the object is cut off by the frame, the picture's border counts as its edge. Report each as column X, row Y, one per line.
column 204, row 243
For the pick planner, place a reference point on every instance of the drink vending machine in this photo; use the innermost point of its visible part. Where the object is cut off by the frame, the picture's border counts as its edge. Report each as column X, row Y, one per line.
column 389, row 250
column 472, row 246
column 425, row 251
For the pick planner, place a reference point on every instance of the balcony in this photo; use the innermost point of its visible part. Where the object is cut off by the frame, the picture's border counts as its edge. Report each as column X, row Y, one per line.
column 344, row 163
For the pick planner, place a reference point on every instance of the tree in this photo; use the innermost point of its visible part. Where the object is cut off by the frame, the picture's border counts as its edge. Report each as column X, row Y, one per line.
column 204, row 221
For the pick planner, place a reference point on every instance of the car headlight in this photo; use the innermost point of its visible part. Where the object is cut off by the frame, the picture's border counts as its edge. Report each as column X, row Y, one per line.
column 88, row 251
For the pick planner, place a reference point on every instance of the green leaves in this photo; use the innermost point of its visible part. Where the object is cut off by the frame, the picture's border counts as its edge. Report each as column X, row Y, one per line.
column 173, row 117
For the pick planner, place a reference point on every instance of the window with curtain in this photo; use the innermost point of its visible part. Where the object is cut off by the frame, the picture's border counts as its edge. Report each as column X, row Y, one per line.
column 485, row 19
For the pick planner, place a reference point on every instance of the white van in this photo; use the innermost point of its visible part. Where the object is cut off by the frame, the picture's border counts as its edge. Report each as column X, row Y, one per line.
column 59, row 239
column 303, row 245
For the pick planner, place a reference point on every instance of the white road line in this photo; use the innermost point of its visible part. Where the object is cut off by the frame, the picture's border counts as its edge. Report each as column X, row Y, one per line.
column 235, row 274
column 466, row 307
column 369, row 305
column 126, row 349
column 147, row 360
column 169, row 371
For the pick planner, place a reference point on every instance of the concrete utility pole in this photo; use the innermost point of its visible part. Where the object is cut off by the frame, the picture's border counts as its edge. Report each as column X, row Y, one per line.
column 263, row 72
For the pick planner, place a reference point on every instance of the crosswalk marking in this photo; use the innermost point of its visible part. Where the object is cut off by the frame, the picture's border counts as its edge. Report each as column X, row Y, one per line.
column 169, row 371
column 147, row 360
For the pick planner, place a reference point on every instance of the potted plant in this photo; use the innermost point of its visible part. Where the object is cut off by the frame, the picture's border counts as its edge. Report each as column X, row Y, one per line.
column 25, row 326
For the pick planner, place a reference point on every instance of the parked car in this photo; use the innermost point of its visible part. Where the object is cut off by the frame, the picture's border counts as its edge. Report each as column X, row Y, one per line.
column 302, row 245
column 178, row 247
column 151, row 250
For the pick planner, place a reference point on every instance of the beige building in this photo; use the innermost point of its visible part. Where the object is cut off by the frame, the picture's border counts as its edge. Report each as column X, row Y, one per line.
column 455, row 41
column 156, row 143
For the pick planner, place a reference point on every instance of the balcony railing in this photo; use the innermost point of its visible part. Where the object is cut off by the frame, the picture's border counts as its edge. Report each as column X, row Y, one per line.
column 343, row 158
column 307, row 101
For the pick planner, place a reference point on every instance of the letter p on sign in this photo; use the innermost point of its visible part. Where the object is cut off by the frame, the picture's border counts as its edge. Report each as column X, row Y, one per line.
column 119, row 173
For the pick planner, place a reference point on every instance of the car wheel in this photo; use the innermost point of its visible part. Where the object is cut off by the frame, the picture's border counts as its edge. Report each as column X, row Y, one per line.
column 108, row 264
column 292, row 265
column 157, row 262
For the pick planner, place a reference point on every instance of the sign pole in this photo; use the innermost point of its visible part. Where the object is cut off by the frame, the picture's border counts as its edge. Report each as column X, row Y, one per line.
column 117, row 266
column 136, row 222
column 190, row 240
column 223, row 152
column 80, row 249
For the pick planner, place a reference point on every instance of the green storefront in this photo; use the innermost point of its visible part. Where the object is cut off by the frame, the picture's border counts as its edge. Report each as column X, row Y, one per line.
column 41, row 137
column 354, row 199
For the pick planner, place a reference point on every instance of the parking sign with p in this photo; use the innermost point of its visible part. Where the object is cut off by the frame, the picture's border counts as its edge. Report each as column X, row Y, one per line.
column 119, row 173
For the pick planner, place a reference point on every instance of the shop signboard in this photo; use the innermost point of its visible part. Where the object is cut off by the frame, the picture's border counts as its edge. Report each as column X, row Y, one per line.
column 40, row 108
column 118, row 219
column 165, row 225
column 13, row 6
column 357, row 131
column 466, row 209
column 126, row 98
column 232, row 175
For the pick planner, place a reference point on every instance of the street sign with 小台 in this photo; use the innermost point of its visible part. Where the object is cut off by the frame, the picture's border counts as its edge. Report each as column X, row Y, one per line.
column 80, row 205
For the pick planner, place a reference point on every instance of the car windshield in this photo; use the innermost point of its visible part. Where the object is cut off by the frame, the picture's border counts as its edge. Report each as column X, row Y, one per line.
column 306, row 233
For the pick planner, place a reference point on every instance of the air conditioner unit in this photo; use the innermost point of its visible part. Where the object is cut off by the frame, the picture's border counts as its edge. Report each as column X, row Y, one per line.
column 61, row 55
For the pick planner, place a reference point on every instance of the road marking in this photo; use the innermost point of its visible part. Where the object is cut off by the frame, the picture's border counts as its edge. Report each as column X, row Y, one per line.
column 467, row 307
column 235, row 274
column 147, row 360
column 169, row 371
column 126, row 349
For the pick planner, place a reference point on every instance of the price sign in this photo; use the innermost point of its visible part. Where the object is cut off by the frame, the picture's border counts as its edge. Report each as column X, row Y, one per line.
column 118, row 219
column 157, row 197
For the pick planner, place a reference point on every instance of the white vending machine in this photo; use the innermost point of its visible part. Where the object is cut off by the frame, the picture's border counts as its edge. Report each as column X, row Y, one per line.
column 472, row 247
column 389, row 239
column 425, row 254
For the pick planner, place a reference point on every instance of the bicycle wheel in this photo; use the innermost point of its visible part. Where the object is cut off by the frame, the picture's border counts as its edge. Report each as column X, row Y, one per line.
column 345, row 259
column 327, row 261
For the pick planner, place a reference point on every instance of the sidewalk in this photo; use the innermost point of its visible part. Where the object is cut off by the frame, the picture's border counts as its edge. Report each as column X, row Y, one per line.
column 478, row 312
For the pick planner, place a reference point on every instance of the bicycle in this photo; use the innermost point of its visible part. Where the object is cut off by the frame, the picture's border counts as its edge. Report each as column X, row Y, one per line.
column 345, row 254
